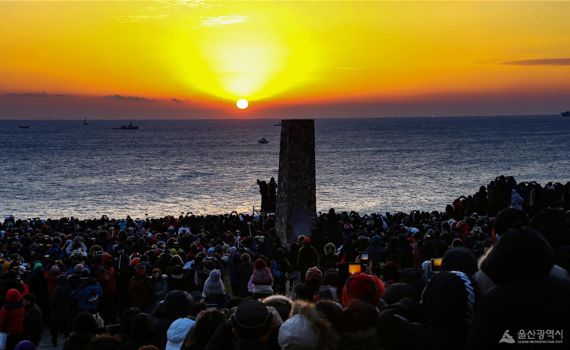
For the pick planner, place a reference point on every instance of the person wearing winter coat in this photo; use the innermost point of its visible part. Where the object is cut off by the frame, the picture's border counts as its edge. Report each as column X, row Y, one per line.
column 140, row 289
column 87, row 295
column 261, row 279
column 214, row 291
column 61, row 305
column 307, row 329
column 448, row 303
column 376, row 253
column 159, row 284
column 525, row 296
column 32, row 319
column 243, row 274
column 329, row 260
column 105, row 274
column 252, row 326
column 12, row 279
column 280, row 266
column 176, row 279
column 51, row 279
column 12, row 318
column 308, row 257
column 39, row 288
column 176, row 305
column 234, row 262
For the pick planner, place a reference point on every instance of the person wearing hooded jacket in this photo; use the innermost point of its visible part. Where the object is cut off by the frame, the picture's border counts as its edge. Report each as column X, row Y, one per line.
column 105, row 274
column 525, row 296
column 448, row 302
column 141, row 289
column 12, row 318
column 176, row 305
column 329, row 260
column 159, row 285
column 308, row 257
column 87, row 295
column 61, row 309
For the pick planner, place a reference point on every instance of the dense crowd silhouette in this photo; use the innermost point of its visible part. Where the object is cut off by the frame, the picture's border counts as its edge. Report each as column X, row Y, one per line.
column 490, row 269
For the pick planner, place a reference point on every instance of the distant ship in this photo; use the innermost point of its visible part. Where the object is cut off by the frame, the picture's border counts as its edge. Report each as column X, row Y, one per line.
column 565, row 114
column 129, row 126
column 85, row 122
column 262, row 140
column 23, row 126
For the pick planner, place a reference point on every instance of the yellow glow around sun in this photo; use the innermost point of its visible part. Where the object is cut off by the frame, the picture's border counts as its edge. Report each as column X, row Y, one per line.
column 230, row 57
column 242, row 103
column 280, row 53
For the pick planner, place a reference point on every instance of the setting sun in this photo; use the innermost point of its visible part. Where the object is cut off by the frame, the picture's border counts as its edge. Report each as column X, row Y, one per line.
column 242, row 103
column 195, row 59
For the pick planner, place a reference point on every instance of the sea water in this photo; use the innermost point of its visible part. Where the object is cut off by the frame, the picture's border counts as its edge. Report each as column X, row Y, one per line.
column 64, row 168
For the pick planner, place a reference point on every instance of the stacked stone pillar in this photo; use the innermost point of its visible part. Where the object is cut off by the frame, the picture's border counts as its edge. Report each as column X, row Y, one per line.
column 296, row 191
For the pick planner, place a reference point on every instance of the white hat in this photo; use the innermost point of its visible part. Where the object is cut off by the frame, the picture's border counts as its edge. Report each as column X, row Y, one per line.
column 297, row 332
column 177, row 332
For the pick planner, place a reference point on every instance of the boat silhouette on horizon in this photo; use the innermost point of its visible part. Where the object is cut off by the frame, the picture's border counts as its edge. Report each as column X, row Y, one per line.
column 129, row 126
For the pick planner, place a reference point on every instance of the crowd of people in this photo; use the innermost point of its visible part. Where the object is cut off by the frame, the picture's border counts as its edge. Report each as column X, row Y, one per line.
column 490, row 269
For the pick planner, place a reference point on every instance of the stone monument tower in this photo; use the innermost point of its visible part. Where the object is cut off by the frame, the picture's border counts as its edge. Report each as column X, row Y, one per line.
column 296, row 196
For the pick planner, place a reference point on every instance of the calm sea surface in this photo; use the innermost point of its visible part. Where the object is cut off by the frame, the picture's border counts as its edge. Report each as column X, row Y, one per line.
column 62, row 168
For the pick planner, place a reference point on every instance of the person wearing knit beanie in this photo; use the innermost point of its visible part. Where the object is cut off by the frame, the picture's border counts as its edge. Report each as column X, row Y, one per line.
column 362, row 287
column 260, row 264
column 214, row 285
column 448, row 303
column 459, row 259
column 449, row 300
column 261, row 279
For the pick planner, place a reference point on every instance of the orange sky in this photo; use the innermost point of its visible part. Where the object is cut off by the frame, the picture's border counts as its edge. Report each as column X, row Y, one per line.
column 184, row 59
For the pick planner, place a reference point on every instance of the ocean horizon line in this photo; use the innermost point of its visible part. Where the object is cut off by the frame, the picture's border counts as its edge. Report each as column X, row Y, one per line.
column 288, row 118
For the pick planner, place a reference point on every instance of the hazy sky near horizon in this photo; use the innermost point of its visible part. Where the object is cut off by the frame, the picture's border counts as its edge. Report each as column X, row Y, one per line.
column 194, row 59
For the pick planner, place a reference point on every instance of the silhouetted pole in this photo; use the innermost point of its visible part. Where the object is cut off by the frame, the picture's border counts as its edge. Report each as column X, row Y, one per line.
column 296, row 185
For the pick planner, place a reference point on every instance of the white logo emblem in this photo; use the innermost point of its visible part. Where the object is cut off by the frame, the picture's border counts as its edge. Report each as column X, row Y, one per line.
column 507, row 338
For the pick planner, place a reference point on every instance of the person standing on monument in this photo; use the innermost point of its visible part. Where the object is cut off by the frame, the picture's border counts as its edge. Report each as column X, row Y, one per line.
column 272, row 195
column 263, row 191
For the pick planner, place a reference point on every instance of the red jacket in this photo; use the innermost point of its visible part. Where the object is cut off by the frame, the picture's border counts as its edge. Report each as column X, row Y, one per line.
column 12, row 313
column 141, row 291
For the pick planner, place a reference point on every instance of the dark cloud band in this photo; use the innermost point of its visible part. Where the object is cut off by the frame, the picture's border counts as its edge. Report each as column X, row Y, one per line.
column 541, row 62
